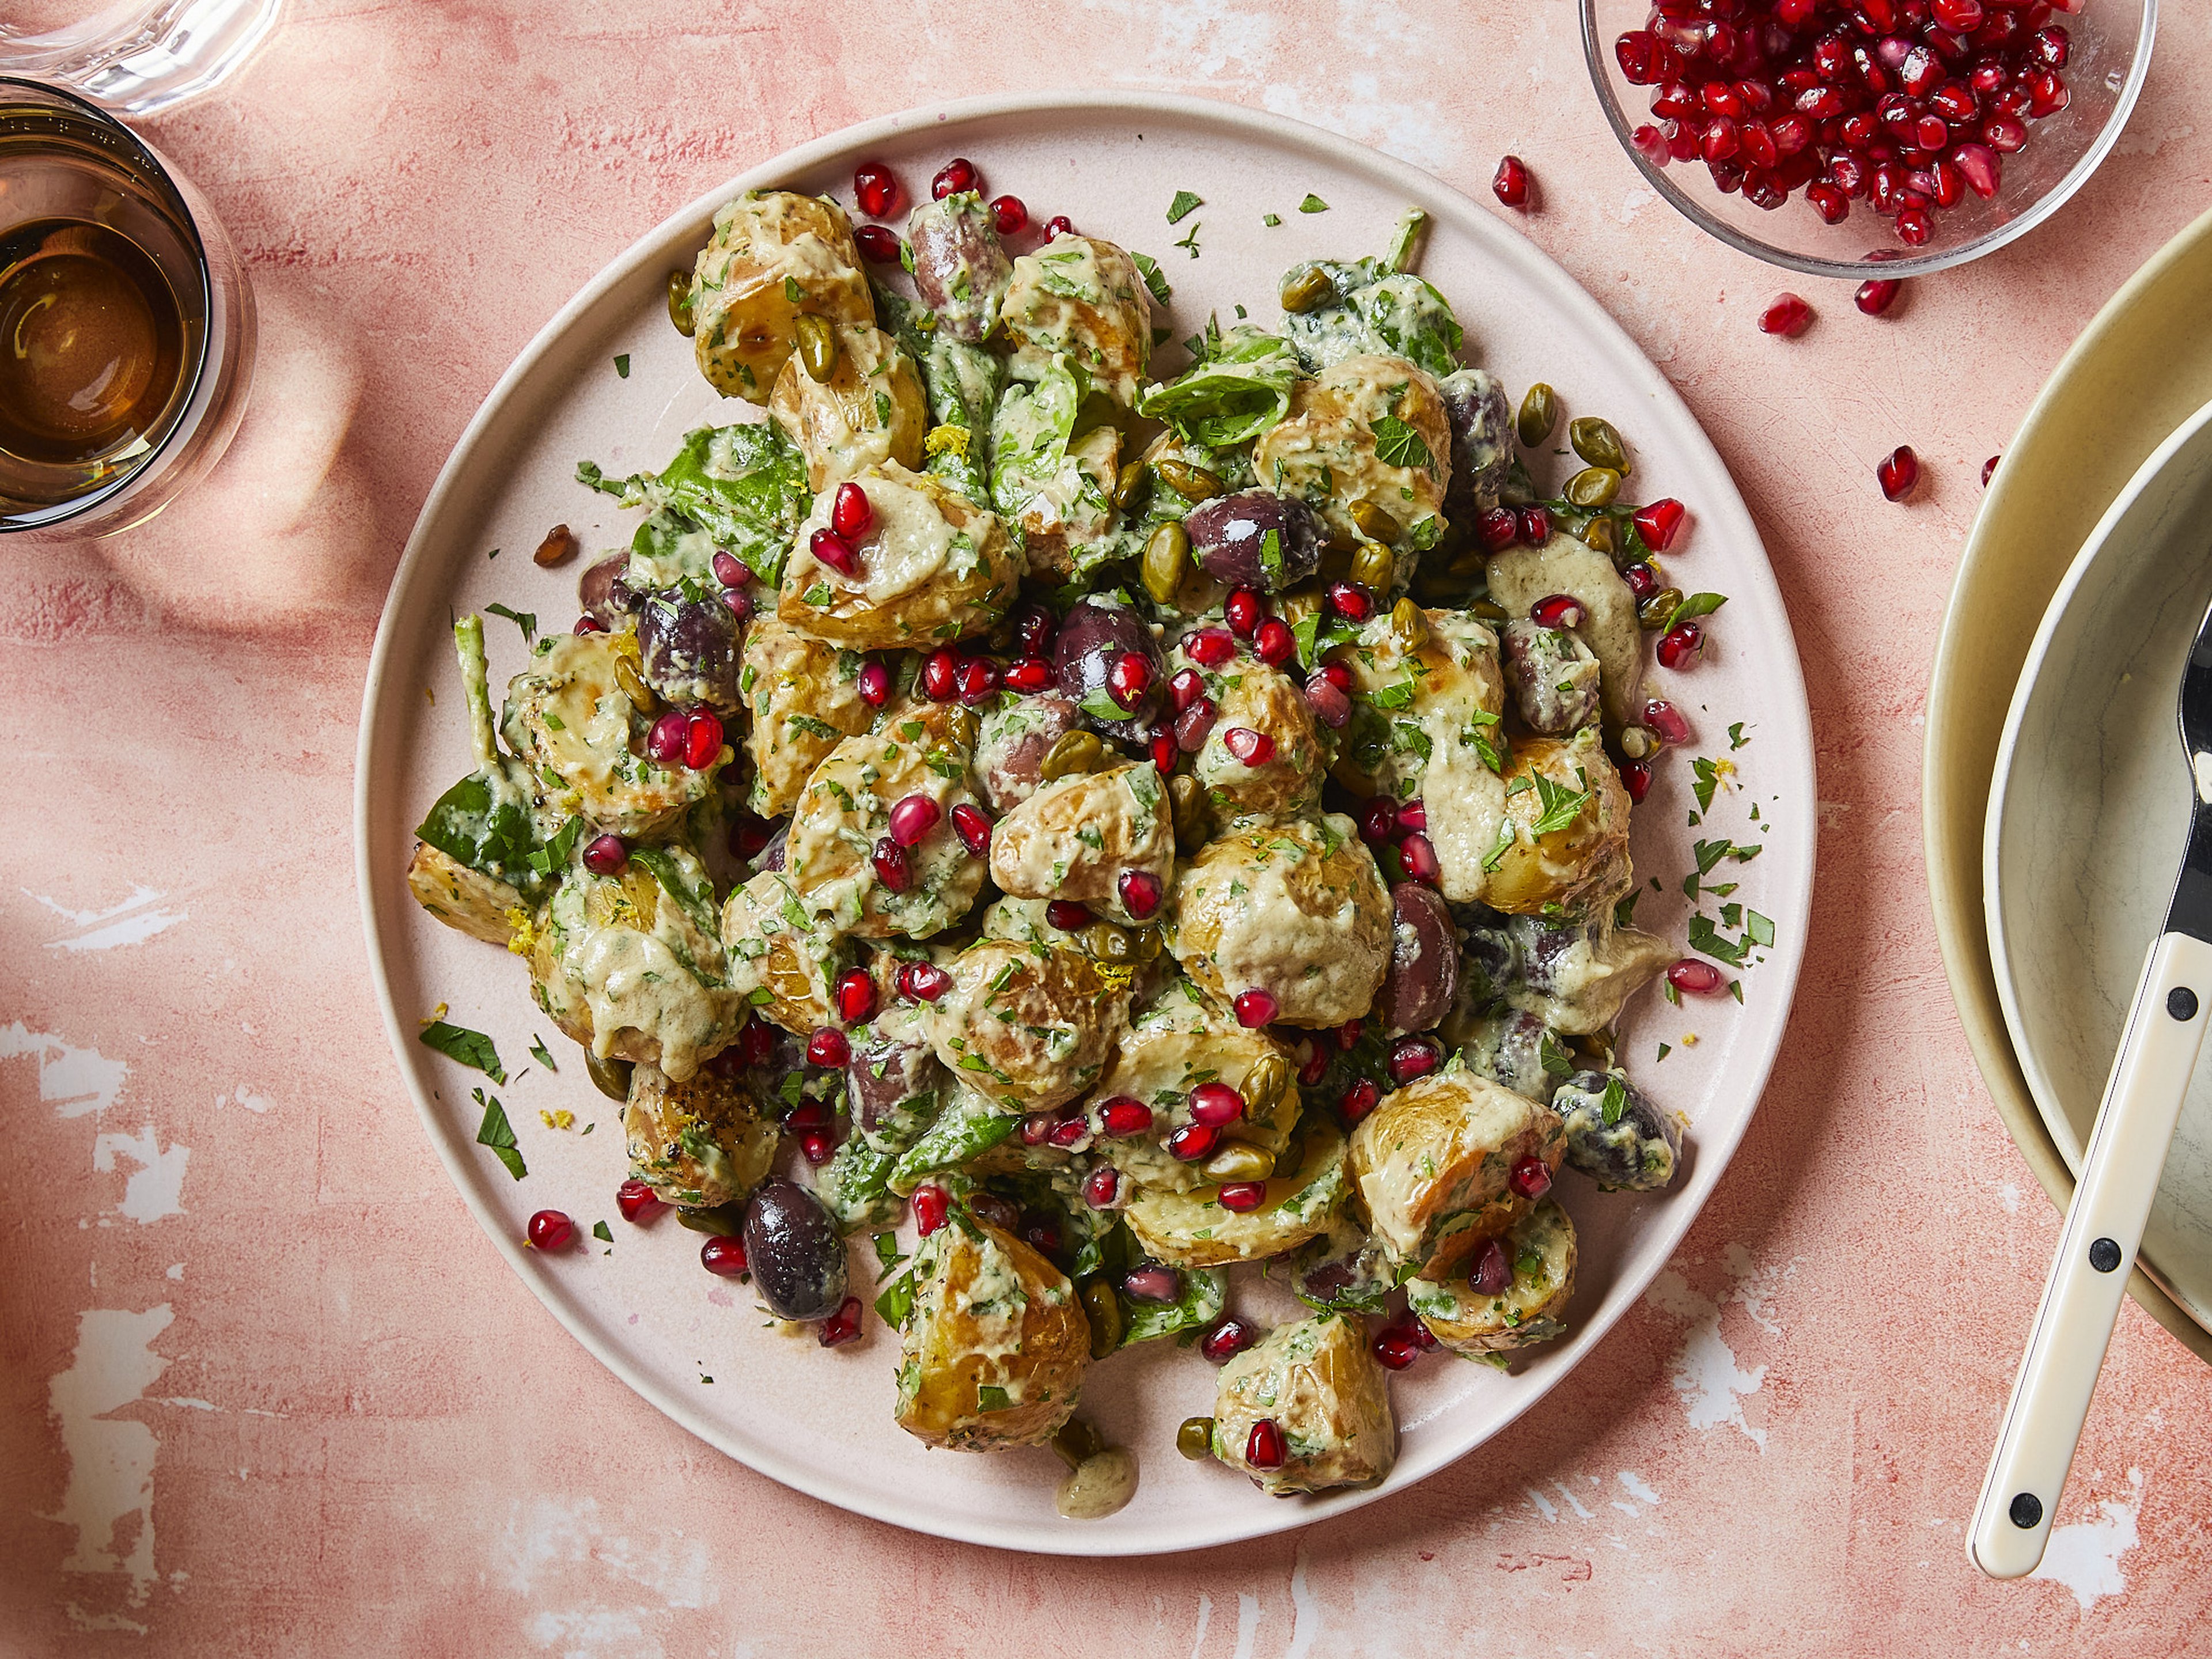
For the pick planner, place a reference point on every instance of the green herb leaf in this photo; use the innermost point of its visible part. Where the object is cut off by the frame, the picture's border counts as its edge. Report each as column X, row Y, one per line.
column 553, row 855
column 470, row 1047
column 1181, row 208
column 1706, row 937
column 791, row 291
column 1149, row 268
column 1313, row 204
column 1190, row 242
column 896, row 1304
column 622, row 365
column 1698, row 605
column 1757, row 929
column 601, row 1231
column 1397, row 444
column 496, row 1133
column 1736, row 738
column 1271, row 220
column 524, row 620
column 1561, row 806
column 1708, row 779
column 1615, row 1101
column 539, row 1053
column 1100, row 705
column 989, row 1397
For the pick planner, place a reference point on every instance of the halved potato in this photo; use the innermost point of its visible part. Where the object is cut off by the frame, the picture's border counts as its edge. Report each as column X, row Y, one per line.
column 1192, row 1229
column 1542, row 1247
column 1368, row 428
column 871, row 408
column 1565, row 833
column 783, row 960
column 803, row 696
column 1315, row 1381
column 1027, row 1026
column 1081, row 298
column 700, row 1144
column 468, row 900
column 1521, row 576
column 1250, row 696
column 774, row 254
column 1076, row 837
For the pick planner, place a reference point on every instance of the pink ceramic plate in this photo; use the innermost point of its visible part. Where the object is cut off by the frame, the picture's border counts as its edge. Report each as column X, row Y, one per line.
column 821, row 1421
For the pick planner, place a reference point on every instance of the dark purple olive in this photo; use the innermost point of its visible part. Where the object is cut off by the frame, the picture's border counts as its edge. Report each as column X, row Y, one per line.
column 597, row 590
column 894, row 1089
column 1636, row 1149
column 1508, row 1048
column 1492, row 958
column 1346, row 1269
column 689, row 650
column 1229, row 538
column 797, row 1258
column 770, row 856
column 1481, row 437
column 1541, row 950
column 960, row 270
column 1000, row 1212
column 1093, row 637
column 1152, row 1283
column 1013, row 743
column 1423, row 975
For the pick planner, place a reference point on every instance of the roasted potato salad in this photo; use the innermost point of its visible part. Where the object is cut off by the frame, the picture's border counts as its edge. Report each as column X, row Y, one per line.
column 1081, row 299
column 1566, row 829
column 1517, row 1293
column 1306, row 1410
column 775, row 256
column 1194, row 1228
column 1029, row 1027
column 803, row 696
column 1367, row 432
column 483, row 907
column 1103, row 839
column 1263, row 754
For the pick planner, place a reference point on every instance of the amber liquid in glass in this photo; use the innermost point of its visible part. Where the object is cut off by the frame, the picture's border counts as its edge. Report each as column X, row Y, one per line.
column 92, row 343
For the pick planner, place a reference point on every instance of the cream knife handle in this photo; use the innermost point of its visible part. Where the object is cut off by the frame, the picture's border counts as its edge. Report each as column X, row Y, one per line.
column 2096, row 1251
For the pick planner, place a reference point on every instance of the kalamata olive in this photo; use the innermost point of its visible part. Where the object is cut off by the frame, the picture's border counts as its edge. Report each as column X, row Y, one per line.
column 894, row 1088
column 1012, row 745
column 1491, row 963
column 960, row 269
column 1508, row 1048
column 689, row 649
column 1541, row 949
column 595, row 592
column 1424, row 974
column 1481, row 437
column 1345, row 1268
column 1094, row 637
column 1229, row 537
column 797, row 1258
column 1001, row 1212
column 1615, row 1135
column 1553, row 675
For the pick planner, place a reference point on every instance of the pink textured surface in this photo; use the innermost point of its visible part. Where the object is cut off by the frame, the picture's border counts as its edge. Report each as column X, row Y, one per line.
column 264, row 1389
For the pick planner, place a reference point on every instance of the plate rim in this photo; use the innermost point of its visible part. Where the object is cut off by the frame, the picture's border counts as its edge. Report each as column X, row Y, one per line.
column 1730, row 513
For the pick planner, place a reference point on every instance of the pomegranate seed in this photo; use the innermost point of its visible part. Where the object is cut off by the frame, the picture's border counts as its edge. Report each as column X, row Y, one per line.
column 756, row 1043
column 1875, row 295
column 816, row 1148
column 2050, row 47
column 875, row 685
column 833, row 550
column 1141, row 892
column 1361, row 1098
column 1263, row 1447
column 2049, row 93
column 1035, row 627
column 1162, row 747
column 1666, row 722
column 1636, row 778
column 932, row 1204
column 1757, row 145
column 1214, row 1104
column 1245, row 608
column 1958, row 16
column 940, row 674
column 1186, row 688
column 996, row 1211
column 1330, row 702
column 1829, row 202
column 1008, row 213
column 1559, row 610
column 957, row 175
column 1651, row 145
column 1152, row 1283
column 1981, row 167
column 973, row 828
column 1535, row 526
column 924, row 981
column 1193, row 725
column 1129, row 678
column 1787, row 316
column 807, row 1114
column 1899, row 472
column 914, row 817
column 606, row 855
column 1210, row 648
column 1914, row 225
column 1316, row 1066
column 1101, row 1187
column 1378, row 819
column 1251, row 748
column 1413, row 1057
column 1067, row 915
column 1531, row 1178
column 723, row 1256
column 1988, row 469
column 828, row 1047
column 730, row 570
column 1338, row 675
column 1058, row 226
column 666, row 741
column 850, row 515
column 1697, row 978
column 1272, row 642
column 1256, row 1007
column 1413, row 815
column 1424, row 1338
column 1394, row 1349
column 1030, row 674
column 1658, row 523
column 637, row 1201
column 892, row 866
column 977, row 679
column 1681, row 646
column 1226, row 1340
column 1241, row 1196
column 856, row 996
column 1510, row 182
column 1637, row 52
column 588, row 625
column 738, row 603
column 1041, row 1232
column 1417, row 858
column 877, row 189
column 841, row 1326
column 1492, row 1274
column 1193, row 1141
column 1348, row 1034
column 1123, row 1115
column 1069, row 1133
column 1497, row 529
column 702, row 739
column 2005, row 133
column 1642, row 581
column 879, row 244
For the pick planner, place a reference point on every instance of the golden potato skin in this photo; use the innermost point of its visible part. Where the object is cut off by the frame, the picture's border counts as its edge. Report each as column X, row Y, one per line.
column 697, row 1145
column 803, row 695
column 1191, row 1229
column 1297, row 908
column 464, row 899
column 1250, row 696
column 989, row 1312
column 1325, row 450
column 1316, row 1381
column 1027, row 1026
column 1566, row 865
column 1433, row 1163
column 1542, row 1247
column 1044, row 849
column 746, row 318
column 935, row 568
column 1085, row 297
column 783, row 961
column 870, row 410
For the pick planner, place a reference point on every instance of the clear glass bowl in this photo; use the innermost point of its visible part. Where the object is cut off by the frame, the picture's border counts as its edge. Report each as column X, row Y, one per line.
column 2111, row 42
column 140, row 57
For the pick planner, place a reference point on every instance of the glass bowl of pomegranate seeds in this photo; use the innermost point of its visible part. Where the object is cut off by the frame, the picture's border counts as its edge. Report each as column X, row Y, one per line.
column 1832, row 135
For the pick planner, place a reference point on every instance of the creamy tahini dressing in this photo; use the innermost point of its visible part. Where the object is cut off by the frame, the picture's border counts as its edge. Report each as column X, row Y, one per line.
column 1519, row 576
column 633, row 980
column 839, row 426
column 910, row 543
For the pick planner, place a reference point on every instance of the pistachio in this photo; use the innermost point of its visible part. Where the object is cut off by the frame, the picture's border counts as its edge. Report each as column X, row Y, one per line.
column 1264, row 1083
column 1597, row 443
column 1601, row 536
column 633, row 686
column 679, row 303
column 1410, row 623
column 1374, row 567
column 1656, row 613
column 1166, row 561
column 559, row 547
column 1193, row 483
column 1104, row 1309
column 1109, row 944
column 1076, row 1441
column 610, row 1076
column 1129, row 484
column 1539, row 415
column 817, row 347
column 1306, row 289
column 1594, row 487
column 1194, row 1437
column 1147, row 941
column 1374, row 523
column 1636, row 742
column 1187, row 804
column 1076, row 752
column 1236, row 1161
column 723, row 1221
column 1491, row 612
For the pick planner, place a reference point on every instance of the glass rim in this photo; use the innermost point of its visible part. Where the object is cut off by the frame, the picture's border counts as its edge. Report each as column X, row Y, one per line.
column 1906, row 262
column 141, row 156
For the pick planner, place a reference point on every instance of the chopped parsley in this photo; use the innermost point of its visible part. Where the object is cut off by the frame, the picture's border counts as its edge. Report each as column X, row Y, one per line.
column 1615, row 1101
column 991, row 1398
column 1101, row 705
column 622, row 365
column 524, row 620
column 1708, row 778
column 1561, row 806
column 472, row 1048
column 1736, row 740
column 791, row 291
column 496, row 1133
column 1397, row 444
column 539, row 1053
column 602, row 1232
column 1698, row 605
column 1190, row 242
column 1757, row 929
column 1182, row 208
column 1149, row 268
column 1313, row 204
column 1271, row 220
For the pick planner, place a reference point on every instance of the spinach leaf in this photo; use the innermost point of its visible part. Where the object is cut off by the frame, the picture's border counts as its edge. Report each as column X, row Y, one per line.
column 1235, row 392
column 969, row 1125
column 484, row 821
column 745, row 486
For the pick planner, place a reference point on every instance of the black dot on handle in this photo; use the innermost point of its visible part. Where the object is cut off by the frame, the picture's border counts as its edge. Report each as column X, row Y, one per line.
column 2181, row 1003
column 2026, row 1510
column 2104, row 1255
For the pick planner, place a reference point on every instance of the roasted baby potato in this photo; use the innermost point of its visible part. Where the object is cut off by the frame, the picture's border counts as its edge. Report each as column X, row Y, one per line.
column 1081, row 298
column 1435, row 1163
column 1615, row 1135
column 870, row 410
column 1029, row 1027
column 803, row 696
column 1554, row 676
column 700, row 1144
column 1521, row 576
column 783, row 961
column 1083, row 837
column 1068, row 506
column 774, row 256
column 477, row 904
column 960, row 268
column 934, row 567
column 994, row 1352
column 633, row 970
column 1318, row 1386
column 1191, row 1229
column 1016, row 738
column 1566, row 829
column 1297, row 909
column 1539, row 1248
column 1250, row 696
column 1368, row 428
column 1577, row 978
column 568, row 715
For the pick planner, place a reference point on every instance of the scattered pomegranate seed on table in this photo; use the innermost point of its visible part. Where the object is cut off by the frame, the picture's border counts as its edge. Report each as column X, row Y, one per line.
column 1988, row 469
column 1899, row 472
column 1636, row 778
column 1697, row 978
column 1395, row 1348
column 549, row 1230
column 1666, row 722
column 1680, row 645
column 1875, row 295
column 1510, row 182
column 1786, row 315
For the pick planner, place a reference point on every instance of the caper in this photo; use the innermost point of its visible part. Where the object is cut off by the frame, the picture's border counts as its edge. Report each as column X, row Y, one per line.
column 1076, row 752
column 1374, row 523
column 1193, row 483
column 1656, row 613
column 1128, row 483
column 1596, row 442
column 1167, row 560
column 1593, row 486
column 817, row 347
column 610, row 1076
column 1107, row 943
column 723, row 1221
column 1601, row 534
column 1104, row 1308
column 633, row 686
column 679, row 303
column 1410, row 624
column 1375, row 567
column 1187, row 806
column 1306, row 290
column 1264, row 1083
column 1540, row 414
column 1491, row 612
column 1076, row 1441
column 1236, row 1161
column 1194, row 1438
